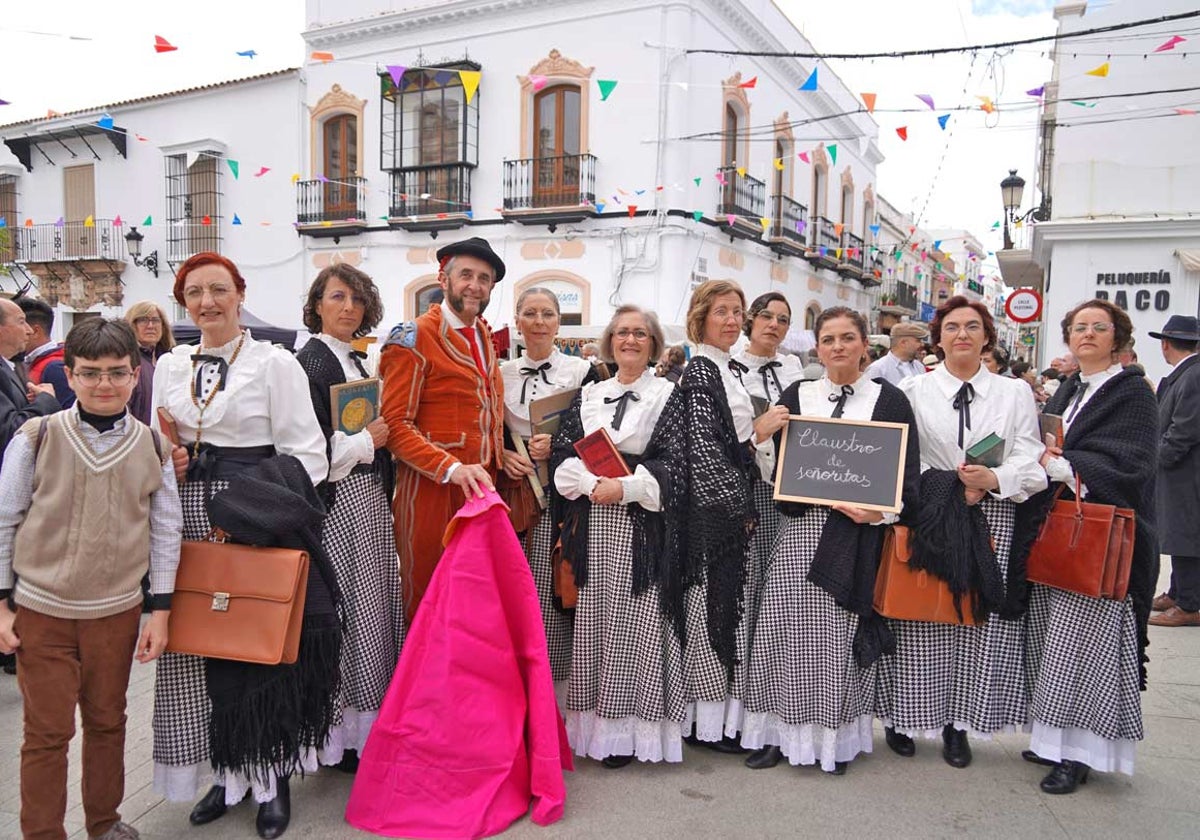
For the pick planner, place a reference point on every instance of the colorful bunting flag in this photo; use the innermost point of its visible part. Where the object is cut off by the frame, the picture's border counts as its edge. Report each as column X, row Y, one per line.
column 902, row 131
column 236, row 220
column 1185, row 112
column 632, row 210
column 118, row 222
column 837, row 230
column 141, row 138
column 875, row 231
column 233, row 167
column 105, row 122
column 1037, row 91
column 927, row 99
column 696, row 181
column 162, row 45
column 995, row 225
column 778, row 164
column 89, row 222
column 1101, row 71
column 765, row 222
column 3, row 222
column 606, row 88
column 51, row 114
column 803, row 156
column 721, row 179
column 206, row 220
column 741, row 171
column 148, row 221
column 811, row 82
column 295, row 177
column 60, row 222
column 247, row 53
column 801, row 225
column 942, row 120
column 600, row 205
column 396, row 71
column 262, row 170
column 750, row 83
column 868, row 100
column 697, row 215
column 323, row 57
column 4, row 102
column 1082, row 104
column 470, row 82
column 1170, row 43
column 832, row 149
column 730, row 219
column 538, row 82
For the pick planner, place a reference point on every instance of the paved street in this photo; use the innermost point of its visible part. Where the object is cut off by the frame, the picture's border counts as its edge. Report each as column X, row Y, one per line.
column 711, row 795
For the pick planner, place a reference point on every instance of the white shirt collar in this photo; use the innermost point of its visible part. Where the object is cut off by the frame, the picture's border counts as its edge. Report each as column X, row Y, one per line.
column 721, row 357
column 1101, row 375
column 949, row 384
column 452, row 318
column 552, row 358
column 341, row 348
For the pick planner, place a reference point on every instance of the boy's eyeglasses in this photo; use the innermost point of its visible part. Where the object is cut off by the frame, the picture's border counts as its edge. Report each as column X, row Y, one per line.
column 92, row 378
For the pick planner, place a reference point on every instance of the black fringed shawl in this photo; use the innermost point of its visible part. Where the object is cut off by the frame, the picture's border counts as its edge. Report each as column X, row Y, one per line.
column 265, row 716
column 571, row 516
column 709, row 507
column 1112, row 445
column 324, row 370
column 847, row 557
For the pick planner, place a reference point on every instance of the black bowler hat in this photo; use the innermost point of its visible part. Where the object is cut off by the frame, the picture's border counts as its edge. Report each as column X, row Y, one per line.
column 1181, row 328
column 473, row 247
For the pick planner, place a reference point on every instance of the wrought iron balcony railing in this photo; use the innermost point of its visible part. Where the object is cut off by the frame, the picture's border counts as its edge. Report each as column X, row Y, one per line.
column 546, row 183
column 69, row 241
column 341, row 200
column 852, row 250
column 740, row 195
column 823, row 234
column 431, row 190
column 788, row 219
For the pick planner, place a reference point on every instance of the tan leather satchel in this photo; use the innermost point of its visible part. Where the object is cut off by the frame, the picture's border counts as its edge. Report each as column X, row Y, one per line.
column 238, row 602
column 909, row 594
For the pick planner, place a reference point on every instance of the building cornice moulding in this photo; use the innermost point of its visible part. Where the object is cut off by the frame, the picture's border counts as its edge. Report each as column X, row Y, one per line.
column 1047, row 234
column 388, row 24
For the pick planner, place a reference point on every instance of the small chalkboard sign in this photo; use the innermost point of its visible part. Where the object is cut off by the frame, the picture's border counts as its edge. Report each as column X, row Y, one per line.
column 825, row 462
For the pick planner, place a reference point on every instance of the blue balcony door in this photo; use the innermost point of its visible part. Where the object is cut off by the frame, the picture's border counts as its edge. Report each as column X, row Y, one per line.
column 340, row 140
column 557, row 147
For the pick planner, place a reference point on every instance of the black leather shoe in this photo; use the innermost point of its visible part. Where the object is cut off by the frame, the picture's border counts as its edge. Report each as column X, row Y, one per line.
column 900, row 743
column 1034, row 758
column 211, row 807
column 349, row 762
column 1065, row 777
column 274, row 816
column 955, row 748
column 614, row 762
column 839, row 768
column 764, row 758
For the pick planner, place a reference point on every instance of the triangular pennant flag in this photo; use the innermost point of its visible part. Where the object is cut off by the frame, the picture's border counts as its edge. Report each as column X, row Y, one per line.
column 902, row 131
column 988, row 106
column 937, row 244
column 837, row 230
column 927, row 99
column 600, row 205
column 1083, row 104
column 262, row 170
column 118, row 222
column 640, row 192
column 470, row 214
column 720, row 176
column 778, row 162
column 632, row 210
column 741, row 171
column 538, row 82
column 1037, row 91
column 730, row 218
column 1170, row 43
column 206, row 220
column 295, row 177
column 764, row 221
column 236, row 220
column 396, row 71
column 470, row 82
column 3, row 222
column 162, row 45
column 875, row 231
column 1017, row 223
column 190, row 159
column 803, row 156
column 89, row 222
column 324, row 57
column 868, row 100
column 837, row 253
column 4, row 102
column 749, row 83
column 697, row 215
column 801, row 225
column 247, row 53
column 233, row 167
column 811, row 82
column 832, row 149
column 325, row 180
column 105, row 122
column 60, row 222
column 697, row 181
column 1100, row 71
column 1185, row 112
column 942, row 120
column 51, row 114
column 141, row 138
column 148, row 221
column 606, row 87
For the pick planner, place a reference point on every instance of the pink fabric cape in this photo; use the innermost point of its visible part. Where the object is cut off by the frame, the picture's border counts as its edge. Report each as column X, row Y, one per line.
column 469, row 732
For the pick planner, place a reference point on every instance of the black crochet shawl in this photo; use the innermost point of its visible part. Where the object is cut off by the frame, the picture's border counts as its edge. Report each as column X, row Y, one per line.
column 1112, row 445
column 324, row 370
column 847, row 557
column 709, row 509
column 265, row 716
column 570, row 517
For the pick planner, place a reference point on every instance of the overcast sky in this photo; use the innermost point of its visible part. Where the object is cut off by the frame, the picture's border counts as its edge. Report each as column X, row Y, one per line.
column 47, row 71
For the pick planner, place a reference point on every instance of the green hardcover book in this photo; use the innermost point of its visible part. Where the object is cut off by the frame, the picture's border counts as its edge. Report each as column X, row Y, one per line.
column 988, row 452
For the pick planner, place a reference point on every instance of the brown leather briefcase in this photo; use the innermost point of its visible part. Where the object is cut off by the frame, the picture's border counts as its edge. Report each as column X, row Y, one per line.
column 911, row 595
column 238, row 602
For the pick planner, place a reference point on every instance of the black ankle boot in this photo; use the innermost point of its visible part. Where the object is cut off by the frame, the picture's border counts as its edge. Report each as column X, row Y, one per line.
column 274, row 816
column 955, row 747
column 1065, row 777
column 615, row 762
column 1034, row 758
column 839, row 768
column 349, row 762
column 900, row 743
column 210, row 807
column 764, row 758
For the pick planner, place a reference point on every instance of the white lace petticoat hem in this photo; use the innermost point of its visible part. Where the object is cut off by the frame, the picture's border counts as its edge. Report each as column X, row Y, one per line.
column 186, row 783
column 714, row 719
column 809, row 743
column 936, row 734
column 350, row 734
column 646, row 740
column 1084, row 746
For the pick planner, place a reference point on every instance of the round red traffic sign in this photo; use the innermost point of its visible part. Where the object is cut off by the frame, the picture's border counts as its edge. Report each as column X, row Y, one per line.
column 1023, row 306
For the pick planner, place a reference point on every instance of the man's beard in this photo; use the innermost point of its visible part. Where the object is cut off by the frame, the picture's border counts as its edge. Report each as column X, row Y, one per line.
column 456, row 303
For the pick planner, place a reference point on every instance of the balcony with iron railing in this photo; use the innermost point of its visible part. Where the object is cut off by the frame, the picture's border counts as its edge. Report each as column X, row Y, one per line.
column 550, row 190
column 329, row 207
column 788, row 220
column 898, row 298
column 430, row 197
column 850, row 264
column 741, row 202
column 822, row 241
column 68, row 242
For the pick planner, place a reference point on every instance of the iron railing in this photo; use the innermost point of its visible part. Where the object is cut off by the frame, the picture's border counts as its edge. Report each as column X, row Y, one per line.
column 898, row 293
column 852, row 250
column 68, row 241
column 549, row 182
column 788, row 219
column 823, row 234
column 342, row 200
column 740, row 195
column 430, row 190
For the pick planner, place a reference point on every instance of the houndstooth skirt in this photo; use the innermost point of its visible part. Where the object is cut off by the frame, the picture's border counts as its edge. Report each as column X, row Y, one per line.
column 769, row 523
column 625, row 692
column 971, row 677
column 806, row 694
column 556, row 621
column 1083, row 672
column 360, row 542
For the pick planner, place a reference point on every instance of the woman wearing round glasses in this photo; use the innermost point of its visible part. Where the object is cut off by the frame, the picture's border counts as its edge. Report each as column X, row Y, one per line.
column 154, row 337
column 1086, row 654
column 624, row 695
column 953, row 679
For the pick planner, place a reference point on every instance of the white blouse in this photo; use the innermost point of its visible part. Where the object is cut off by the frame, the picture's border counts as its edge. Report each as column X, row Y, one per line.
column 1004, row 406
column 637, row 426
column 739, row 401
column 520, row 389
column 347, row 451
column 788, row 371
column 1060, row 469
column 265, row 401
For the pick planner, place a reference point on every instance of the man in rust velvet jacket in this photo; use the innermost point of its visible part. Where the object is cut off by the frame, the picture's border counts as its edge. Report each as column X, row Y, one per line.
column 443, row 399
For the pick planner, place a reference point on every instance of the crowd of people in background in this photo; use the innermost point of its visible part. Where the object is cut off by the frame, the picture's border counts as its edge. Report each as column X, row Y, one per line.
column 681, row 602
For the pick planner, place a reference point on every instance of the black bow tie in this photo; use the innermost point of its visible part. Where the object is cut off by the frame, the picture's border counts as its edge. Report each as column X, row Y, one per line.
column 1079, row 392
column 770, row 367
column 357, row 357
column 840, row 399
column 737, row 368
column 199, row 360
column 530, row 373
column 962, row 403
column 622, row 402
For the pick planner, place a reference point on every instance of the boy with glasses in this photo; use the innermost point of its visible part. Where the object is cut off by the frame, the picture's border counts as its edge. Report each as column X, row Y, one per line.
column 87, row 499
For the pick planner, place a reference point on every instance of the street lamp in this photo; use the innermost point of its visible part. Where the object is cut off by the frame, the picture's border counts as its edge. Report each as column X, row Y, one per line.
column 1011, row 190
column 133, row 241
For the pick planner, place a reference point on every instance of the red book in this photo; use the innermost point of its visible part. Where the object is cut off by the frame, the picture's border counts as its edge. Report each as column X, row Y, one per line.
column 599, row 454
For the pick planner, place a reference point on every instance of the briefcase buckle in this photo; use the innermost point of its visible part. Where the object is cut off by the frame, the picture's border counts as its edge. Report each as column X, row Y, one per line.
column 220, row 602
